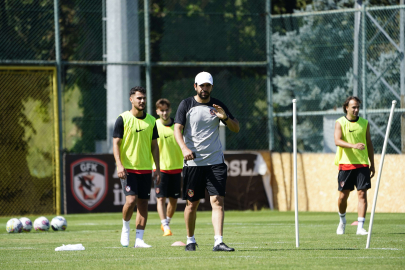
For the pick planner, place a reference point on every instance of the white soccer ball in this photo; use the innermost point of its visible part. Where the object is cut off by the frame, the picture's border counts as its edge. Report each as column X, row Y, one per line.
column 14, row 226
column 41, row 224
column 59, row 223
column 26, row 224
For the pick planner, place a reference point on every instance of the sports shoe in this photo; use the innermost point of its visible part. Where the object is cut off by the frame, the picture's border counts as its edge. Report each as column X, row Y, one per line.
column 141, row 244
column 167, row 233
column 125, row 237
column 361, row 231
column 191, row 247
column 341, row 228
column 222, row 247
column 161, row 227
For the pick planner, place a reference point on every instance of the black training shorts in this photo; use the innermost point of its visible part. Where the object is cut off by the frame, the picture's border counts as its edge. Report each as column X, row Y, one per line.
column 137, row 184
column 170, row 185
column 198, row 178
column 358, row 177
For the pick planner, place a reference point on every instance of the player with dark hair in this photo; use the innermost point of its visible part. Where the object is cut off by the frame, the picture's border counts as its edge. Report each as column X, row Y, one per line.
column 354, row 150
column 171, row 165
column 134, row 143
column 197, row 133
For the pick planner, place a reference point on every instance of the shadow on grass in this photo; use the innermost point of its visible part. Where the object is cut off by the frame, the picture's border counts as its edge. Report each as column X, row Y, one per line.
column 294, row 249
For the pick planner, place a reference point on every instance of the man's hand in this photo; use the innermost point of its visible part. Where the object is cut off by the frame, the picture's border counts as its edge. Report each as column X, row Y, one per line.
column 219, row 112
column 156, row 175
column 359, row 146
column 121, row 172
column 372, row 171
column 187, row 154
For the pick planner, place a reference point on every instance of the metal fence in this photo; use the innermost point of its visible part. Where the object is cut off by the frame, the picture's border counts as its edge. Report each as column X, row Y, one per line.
column 259, row 64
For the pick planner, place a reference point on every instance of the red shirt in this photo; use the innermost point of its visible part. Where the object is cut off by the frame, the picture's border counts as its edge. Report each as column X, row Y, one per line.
column 348, row 167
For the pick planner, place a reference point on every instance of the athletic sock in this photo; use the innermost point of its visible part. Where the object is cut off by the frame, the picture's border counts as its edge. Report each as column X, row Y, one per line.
column 342, row 218
column 190, row 239
column 360, row 222
column 139, row 234
column 125, row 224
column 168, row 220
column 165, row 224
column 218, row 239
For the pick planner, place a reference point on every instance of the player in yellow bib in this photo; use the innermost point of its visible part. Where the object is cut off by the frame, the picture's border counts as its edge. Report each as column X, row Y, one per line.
column 171, row 165
column 134, row 143
column 354, row 151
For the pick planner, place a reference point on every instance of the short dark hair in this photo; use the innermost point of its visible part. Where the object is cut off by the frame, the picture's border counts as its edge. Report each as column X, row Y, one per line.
column 137, row 89
column 162, row 102
column 348, row 100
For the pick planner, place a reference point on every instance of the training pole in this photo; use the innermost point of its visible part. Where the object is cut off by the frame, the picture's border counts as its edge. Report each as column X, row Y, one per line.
column 297, row 241
column 387, row 135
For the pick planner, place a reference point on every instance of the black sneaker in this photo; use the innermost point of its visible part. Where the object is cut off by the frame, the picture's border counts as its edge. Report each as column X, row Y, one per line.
column 222, row 247
column 191, row 247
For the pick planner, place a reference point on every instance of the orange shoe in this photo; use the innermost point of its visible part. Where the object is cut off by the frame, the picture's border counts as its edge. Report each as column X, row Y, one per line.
column 167, row 233
column 161, row 227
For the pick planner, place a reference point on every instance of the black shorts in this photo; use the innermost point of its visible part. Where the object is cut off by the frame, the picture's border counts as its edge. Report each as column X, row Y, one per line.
column 198, row 178
column 170, row 185
column 137, row 184
column 358, row 177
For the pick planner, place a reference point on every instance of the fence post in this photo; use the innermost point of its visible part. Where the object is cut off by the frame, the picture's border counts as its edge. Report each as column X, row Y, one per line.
column 356, row 36
column 364, row 59
column 269, row 54
column 402, row 83
column 59, row 134
column 147, row 59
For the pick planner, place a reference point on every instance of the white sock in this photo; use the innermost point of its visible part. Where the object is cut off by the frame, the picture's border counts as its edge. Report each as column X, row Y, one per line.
column 342, row 218
column 190, row 239
column 139, row 234
column 168, row 220
column 125, row 225
column 360, row 222
column 165, row 224
column 218, row 239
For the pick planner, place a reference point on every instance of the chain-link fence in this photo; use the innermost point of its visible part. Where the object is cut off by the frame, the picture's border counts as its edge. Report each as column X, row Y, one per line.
column 314, row 57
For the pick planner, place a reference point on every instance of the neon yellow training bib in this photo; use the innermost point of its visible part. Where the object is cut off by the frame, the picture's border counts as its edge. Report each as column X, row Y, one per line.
column 135, row 149
column 352, row 132
column 170, row 155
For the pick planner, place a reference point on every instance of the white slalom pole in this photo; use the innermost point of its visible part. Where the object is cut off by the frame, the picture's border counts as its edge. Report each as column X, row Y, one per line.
column 297, row 241
column 387, row 135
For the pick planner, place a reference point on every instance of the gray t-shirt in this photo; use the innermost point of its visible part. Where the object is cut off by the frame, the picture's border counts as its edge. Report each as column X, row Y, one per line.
column 201, row 130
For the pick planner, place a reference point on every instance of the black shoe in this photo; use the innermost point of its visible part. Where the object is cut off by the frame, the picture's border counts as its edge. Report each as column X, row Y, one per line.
column 222, row 247
column 191, row 247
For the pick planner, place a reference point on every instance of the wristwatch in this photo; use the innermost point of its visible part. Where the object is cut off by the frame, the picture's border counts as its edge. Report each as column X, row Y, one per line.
column 226, row 119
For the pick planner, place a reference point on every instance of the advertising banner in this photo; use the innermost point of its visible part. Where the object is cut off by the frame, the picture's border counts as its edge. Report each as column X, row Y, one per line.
column 91, row 184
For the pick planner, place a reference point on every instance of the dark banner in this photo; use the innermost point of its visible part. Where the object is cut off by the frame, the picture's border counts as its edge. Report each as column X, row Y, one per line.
column 92, row 185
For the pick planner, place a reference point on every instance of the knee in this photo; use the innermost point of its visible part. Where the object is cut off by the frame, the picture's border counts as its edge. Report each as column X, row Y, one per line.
column 362, row 195
column 217, row 202
column 130, row 201
column 142, row 203
column 161, row 200
column 191, row 206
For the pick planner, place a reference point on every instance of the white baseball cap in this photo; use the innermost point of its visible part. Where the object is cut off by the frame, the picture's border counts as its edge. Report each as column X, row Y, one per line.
column 204, row 77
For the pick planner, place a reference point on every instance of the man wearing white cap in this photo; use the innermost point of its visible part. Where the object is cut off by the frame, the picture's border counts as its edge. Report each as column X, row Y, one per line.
column 197, row 132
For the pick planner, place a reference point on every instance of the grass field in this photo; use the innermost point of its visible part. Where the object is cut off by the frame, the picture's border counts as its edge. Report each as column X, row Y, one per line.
column 262, row 239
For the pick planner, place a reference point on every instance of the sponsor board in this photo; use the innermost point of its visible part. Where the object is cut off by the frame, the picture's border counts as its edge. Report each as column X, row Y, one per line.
column 91, row 184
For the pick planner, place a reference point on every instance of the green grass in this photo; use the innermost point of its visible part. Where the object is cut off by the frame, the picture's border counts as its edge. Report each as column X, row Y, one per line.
column 262, row 239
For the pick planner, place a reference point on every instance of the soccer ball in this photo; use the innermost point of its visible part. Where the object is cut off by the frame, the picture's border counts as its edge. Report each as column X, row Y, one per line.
column 26, row 224
column 59, row 223
column 14, row 226
column 41, row 224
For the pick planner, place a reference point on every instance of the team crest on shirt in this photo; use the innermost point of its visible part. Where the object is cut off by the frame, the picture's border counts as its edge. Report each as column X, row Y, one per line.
column 127, row 188
column 190, row 193
column 157, row 190
column 212, row 112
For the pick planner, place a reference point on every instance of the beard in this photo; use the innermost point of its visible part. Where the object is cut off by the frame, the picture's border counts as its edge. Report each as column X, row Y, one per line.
column 207, row 95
